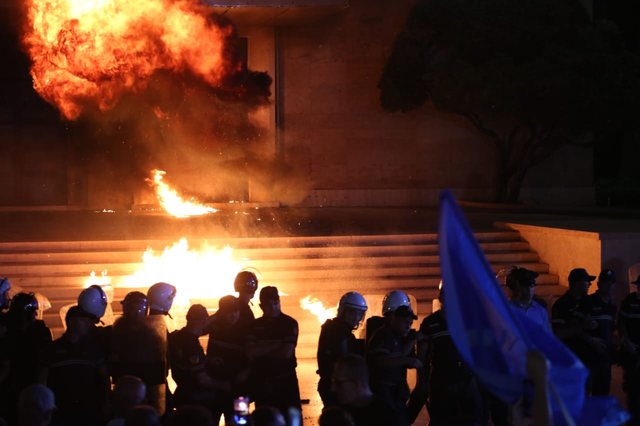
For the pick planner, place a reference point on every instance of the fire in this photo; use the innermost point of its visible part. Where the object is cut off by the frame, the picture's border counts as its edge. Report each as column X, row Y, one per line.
column 96, row 50
column 172, row 202
column 317, row 308
column 102, row 280
column 205, row 273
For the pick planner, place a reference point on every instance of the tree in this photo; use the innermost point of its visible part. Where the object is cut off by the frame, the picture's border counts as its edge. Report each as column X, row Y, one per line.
column 529, row 75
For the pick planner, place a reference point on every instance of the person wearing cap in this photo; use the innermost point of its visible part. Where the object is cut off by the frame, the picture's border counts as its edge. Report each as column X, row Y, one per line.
column 599, row 313
column 271, row 348
column 188, row 362
column 226, row 357
column 453, row 391
column 77, row 373
column 390, row 353
column 337, row 339
column 629, row 329
column 522, row 283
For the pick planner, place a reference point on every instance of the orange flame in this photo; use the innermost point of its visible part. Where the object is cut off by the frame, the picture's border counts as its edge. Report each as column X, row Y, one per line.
column 172, row 202
column 102, row 280
column 96, row 50
column 317, row 308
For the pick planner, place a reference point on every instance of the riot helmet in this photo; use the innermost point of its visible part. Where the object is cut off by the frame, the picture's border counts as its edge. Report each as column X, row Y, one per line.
column 160, row 297
column 353, row 300
column 135, row 304
column 24, row 305
column 93, row 300
column 393, row 300
column 5, row 286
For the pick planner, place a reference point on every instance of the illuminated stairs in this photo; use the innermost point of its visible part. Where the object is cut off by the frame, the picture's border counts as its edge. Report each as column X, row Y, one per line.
column 323, row 267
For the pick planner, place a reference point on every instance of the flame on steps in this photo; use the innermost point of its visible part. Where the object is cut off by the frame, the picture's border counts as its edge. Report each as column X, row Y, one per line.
column 317, row 308
column 173, row 203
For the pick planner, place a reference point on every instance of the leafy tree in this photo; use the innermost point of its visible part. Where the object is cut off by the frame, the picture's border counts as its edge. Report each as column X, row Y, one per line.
column 529, row 75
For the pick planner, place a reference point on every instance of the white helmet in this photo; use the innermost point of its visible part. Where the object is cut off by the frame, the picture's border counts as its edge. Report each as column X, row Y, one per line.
column 93, row 300
column 353, row 300
column 160, row 296
column 393, row 300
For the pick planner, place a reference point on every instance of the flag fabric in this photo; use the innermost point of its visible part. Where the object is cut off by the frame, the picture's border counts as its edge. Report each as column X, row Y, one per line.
column 491, row 336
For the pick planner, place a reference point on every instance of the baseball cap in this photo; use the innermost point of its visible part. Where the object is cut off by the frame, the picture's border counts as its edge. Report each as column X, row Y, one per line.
column 269, row 293
column 580, row 274
column 404, row 311
column 522, row 277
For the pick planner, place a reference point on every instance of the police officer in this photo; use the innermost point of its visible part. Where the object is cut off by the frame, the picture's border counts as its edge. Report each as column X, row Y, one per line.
column 93, row 302
column 226, row 358
column 522, row 283
column 5, row 286
column 599, row 311
column 453, row 392
column 391, row 301
column 160, row 297
column 139, row 349
column 188, row 362
column 389, row 354
column 271, row 348
column 337, row 339
column 246, row 284
column 23, row 352
column 629, row 328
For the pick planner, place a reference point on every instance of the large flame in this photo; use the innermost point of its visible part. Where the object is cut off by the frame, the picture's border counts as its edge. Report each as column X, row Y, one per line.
column 96, row 50
column 172, row 202
column 317, row 308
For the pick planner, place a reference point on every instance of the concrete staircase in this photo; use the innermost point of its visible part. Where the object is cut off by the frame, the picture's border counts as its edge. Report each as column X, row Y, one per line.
column 323, row 267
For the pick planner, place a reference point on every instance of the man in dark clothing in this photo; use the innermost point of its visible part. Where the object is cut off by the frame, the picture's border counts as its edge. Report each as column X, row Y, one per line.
column 629, row 327
column 350, row 383
column 453, row 391
column 337, row 339
column 246, row 284
column 271, row 348
column 188, row 362
column 138, row 348
column 226, row 358
column 389, row 355
column 600, row 312
column 570, row 325
column 23, row 351
column 77, row 373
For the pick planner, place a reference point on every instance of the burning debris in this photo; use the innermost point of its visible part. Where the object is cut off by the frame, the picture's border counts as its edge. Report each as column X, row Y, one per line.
column 172, row 202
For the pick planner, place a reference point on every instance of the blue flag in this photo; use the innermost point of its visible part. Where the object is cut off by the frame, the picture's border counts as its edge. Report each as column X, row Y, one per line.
column 491, row 336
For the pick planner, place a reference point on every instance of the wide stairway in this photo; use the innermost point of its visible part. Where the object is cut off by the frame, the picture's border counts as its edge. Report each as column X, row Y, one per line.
column 322, row 267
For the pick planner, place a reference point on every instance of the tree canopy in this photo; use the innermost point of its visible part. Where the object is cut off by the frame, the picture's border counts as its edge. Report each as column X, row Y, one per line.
column 530, row 75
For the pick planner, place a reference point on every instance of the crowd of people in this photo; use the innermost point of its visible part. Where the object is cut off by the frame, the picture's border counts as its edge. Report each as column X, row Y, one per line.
column 118, row 375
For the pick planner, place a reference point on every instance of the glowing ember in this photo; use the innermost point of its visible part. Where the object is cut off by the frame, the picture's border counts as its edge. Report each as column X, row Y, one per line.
column 93, row 51
column 205, row 273
column 172, row 202
column 317, row 308
column 102, row 280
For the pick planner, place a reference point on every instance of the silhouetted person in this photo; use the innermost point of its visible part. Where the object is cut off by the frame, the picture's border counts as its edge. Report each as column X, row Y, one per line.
column 246, row 284
column 272, row 349
column 337, row 339
column 143, row 415
column 390, row 354
column 78, row 374
column 522, row 283
column 128, row 392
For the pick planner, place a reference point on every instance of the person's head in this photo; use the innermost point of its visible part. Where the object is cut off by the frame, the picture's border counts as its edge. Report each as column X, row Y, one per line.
column 270, row 302
column 5, row 286
column 352, row 308
column 522, row 282
column 606, row 280
column 267, row 416
column 24, row 307
column 36, row 405
column 78, row 322
column 579, row 281
column 336, row 416
column 401, row 320
column 246, row 284
column 128, row 392
column 229, row 309
column 93, row 300
column 135, row 306
column 142, row 415
column 350, row 380
column 191, row 415
column 197, row 318
column 160, row 296
column 393, row 300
